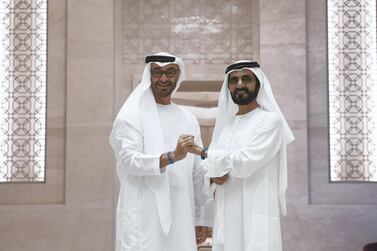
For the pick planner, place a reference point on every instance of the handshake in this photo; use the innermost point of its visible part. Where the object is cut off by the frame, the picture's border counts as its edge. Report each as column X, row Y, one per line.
column 186, row 144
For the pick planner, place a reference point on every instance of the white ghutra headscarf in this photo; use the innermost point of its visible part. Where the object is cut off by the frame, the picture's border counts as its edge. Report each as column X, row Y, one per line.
column 227, row 109
column 140, row 110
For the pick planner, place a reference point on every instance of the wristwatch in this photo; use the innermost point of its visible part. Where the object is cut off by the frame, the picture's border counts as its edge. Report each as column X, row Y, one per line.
column 202, row 155
column 170, row 158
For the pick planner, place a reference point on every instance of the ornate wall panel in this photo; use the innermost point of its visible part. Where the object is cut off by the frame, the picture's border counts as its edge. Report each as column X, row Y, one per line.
column 352, row 89
column 207, row 35
column 199, row 31
column 23, row 90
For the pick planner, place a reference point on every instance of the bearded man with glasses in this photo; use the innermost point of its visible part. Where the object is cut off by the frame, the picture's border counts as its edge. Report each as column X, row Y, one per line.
column 161, row 202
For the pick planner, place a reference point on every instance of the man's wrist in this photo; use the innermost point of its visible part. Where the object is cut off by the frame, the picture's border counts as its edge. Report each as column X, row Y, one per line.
column 175, row 156
column 203, row 153
column 197, row 150
column 170, row 158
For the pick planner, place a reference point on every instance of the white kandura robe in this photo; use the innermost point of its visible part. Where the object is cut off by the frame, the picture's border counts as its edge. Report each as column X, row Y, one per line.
column 248, row 148
column 138, row 223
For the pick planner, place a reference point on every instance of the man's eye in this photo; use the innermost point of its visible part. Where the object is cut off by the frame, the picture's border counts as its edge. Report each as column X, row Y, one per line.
column 157, row 72
column 171, row 72
column 233, row 80
column 246, row 79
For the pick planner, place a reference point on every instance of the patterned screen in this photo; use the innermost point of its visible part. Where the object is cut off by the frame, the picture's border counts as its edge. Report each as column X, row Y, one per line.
column 23, row 45
column 352, row 60
column 200, row 32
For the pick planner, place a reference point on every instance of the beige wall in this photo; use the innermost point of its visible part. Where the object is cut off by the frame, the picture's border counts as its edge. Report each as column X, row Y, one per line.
column 80, row 111
column 94, row 88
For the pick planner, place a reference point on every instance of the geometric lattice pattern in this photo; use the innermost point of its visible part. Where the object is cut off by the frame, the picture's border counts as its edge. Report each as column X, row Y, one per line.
column 23, row 47
column 200, row 31
column 352, row 60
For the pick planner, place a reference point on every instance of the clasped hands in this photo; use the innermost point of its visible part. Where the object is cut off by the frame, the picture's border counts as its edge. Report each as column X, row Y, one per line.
column 186, row 144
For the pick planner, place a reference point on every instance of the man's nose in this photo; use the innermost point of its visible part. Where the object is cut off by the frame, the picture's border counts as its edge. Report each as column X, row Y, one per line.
column 239, row 83
column 163, row 77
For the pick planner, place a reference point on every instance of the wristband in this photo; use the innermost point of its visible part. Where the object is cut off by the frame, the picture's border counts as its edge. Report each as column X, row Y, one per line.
column 202, row 155
column 170, row 159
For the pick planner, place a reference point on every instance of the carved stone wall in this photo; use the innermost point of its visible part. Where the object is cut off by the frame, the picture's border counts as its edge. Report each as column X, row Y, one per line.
column 207, row 35
column 200, row 32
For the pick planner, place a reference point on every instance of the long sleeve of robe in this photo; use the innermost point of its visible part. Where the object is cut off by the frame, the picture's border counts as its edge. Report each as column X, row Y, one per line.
column 248, row 150
column 263, row 145
column 138, row 226
column 130, row 156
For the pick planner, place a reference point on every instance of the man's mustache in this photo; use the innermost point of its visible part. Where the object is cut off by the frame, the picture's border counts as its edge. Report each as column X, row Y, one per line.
column 164, row 83
column 242, row 89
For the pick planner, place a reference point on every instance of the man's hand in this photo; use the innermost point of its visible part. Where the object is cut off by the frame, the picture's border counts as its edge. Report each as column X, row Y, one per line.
column 219, row 180
column 197, row 150
column 185, row 144
column 201, row 233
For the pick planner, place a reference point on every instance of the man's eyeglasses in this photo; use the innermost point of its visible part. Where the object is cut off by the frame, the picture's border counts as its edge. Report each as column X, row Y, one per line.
column 245, row 79
column 169, row 73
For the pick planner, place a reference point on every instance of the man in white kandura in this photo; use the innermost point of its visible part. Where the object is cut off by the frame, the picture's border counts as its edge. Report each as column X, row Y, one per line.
column 161, row 197
column 247, row 161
